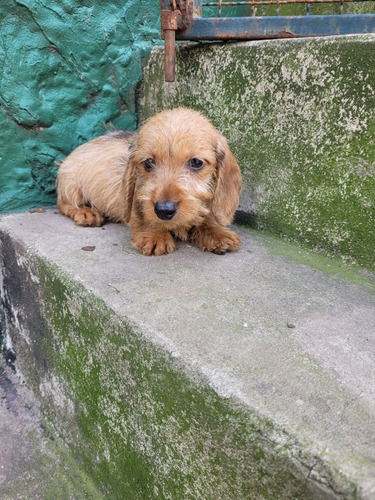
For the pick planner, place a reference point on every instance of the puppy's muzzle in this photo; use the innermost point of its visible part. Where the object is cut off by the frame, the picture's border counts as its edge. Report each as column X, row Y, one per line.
column 165, row 210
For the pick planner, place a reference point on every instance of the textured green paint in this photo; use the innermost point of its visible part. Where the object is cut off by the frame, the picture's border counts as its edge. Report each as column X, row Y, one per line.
column 67, row 70
column 300, row 117
column 139, row 425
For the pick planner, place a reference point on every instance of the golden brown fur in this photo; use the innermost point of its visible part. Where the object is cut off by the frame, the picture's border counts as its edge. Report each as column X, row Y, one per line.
column 176, row 177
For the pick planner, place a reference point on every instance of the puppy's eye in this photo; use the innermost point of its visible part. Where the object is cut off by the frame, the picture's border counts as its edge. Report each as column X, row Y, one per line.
column 149, row 164
column 195, row 164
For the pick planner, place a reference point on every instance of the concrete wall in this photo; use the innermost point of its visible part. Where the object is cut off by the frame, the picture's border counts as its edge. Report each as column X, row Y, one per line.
column 300, row 117
column 139, row 424
column 67, row 69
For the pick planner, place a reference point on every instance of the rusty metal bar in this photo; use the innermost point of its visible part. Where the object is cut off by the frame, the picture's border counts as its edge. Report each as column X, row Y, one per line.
column 169, row 55
column 171, row 21
column 256, row 28
column 182, row 20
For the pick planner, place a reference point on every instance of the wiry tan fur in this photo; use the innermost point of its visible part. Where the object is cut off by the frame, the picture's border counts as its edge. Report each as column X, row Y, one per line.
column 107, row 178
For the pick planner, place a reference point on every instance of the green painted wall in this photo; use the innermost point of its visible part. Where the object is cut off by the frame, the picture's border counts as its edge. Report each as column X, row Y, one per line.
column 68, row 68
column 300, row 118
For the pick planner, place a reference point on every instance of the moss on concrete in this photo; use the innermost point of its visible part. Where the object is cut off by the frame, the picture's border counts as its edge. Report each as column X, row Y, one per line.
column 138, row 424
column 147, row 431
column 299, row 116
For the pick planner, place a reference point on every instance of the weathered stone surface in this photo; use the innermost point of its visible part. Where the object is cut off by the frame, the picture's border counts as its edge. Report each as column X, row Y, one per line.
column 182, row 376
column 67, row 70
column 300, row 117
column 34, row 462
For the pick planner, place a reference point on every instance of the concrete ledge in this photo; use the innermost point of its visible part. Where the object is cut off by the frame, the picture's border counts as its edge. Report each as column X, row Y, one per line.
column 300, row 118
column 195, row 376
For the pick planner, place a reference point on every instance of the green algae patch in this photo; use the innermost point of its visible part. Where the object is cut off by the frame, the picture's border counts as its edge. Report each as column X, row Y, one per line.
column 137, row 423
column 299, row 117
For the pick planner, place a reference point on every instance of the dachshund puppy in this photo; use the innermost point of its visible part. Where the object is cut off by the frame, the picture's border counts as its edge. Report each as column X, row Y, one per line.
column 175, row 178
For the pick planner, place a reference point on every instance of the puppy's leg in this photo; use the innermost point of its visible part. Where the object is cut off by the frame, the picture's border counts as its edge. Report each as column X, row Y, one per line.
column 215, row 238
column 153, row 242
column 82, row 216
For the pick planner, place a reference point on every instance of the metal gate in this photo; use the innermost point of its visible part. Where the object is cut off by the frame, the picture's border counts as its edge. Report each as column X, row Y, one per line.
column 261, row 19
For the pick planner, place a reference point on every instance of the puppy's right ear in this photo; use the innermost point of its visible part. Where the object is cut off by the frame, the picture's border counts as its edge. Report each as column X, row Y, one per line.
column 128, row 185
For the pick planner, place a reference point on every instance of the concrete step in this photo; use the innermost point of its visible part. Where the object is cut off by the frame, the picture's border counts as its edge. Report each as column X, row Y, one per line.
column 193, row 375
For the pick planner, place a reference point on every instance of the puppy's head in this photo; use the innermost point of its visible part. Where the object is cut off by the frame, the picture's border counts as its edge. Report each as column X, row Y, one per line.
column 180, row 172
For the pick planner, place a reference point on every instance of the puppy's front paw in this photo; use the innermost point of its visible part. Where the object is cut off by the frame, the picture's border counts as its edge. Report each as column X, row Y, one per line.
column 85, row 216
column 216, row 239
column 154, row 243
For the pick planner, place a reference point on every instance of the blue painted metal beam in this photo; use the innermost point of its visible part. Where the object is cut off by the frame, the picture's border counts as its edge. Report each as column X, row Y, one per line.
column 250, row 28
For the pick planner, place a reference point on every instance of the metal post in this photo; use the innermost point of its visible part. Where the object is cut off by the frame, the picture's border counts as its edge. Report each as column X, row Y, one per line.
column 169, row 55
column 171, row 21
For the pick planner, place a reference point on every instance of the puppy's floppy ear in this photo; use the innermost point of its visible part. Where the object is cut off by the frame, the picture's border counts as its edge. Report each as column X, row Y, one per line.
column 128, row 182
column 228, row 184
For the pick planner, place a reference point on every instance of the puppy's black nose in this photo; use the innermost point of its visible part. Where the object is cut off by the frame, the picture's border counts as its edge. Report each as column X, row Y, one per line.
column 165, row 210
